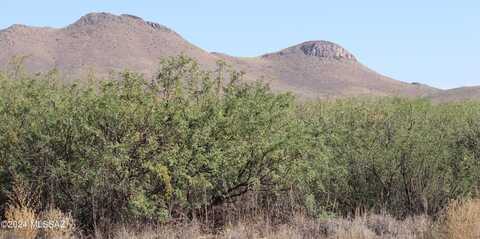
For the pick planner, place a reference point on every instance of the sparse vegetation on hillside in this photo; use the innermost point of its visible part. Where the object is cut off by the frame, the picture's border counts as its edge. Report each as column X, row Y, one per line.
column 197, row 148
column 104, row 41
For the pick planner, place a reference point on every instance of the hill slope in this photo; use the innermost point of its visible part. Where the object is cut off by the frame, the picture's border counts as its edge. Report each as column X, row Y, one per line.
column 97, row 41
column 457, row 95
column 103, row 42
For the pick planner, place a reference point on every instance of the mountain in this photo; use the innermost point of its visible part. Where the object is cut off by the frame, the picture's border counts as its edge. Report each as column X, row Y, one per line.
column 97, row 41
column 102, row 42
column 457, row 95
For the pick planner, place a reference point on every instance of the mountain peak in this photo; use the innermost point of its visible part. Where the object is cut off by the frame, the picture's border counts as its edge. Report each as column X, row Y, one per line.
column 325, row 49
column 320, row 49
column 97, row 18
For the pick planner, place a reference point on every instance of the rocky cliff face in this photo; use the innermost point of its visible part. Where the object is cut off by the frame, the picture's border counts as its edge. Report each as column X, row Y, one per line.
column 322, row 49
column 325, row 49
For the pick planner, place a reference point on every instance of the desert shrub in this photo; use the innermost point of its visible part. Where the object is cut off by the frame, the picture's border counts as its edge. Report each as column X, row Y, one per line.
column 133, row 150
column 406, row 156
column 193, row 144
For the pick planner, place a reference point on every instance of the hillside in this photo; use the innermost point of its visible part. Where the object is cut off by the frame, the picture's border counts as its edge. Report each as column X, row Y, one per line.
column 97, row 41
column 457, row 95
column 102, row 42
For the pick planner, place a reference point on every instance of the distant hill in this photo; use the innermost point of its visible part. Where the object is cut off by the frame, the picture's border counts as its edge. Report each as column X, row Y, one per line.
column 457, row 95
column 97, row 41
column 102, row 42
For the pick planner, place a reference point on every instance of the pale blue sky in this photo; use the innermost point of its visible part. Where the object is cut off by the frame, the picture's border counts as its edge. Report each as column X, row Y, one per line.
column 433, row 42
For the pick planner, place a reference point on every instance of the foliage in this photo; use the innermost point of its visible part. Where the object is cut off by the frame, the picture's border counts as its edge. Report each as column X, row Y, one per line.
column 405, row 156
column 130, row 149
column 191, row 141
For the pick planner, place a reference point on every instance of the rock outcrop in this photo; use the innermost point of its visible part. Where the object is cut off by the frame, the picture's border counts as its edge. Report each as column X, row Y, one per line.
column 321, row 49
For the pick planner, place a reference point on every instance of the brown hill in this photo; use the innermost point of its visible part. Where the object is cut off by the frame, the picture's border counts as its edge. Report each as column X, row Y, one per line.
column 97, row 41
column 103, row 42
column 457, row 95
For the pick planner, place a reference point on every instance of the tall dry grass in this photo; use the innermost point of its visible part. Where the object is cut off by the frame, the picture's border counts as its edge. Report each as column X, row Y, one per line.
column 369, row 226
column 22, row 219
column 64, row 230
column 462, row 220
column 26, row 224
column 20, row 213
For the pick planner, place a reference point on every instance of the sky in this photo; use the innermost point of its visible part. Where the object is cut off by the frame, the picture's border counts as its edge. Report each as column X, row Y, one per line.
column 431, row 42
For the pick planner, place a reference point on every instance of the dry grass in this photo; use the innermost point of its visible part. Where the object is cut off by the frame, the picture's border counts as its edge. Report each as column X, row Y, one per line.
column 355, row 231
column 462, row 220
column 191, row 230
column 20, row 213
column 28, row 224
column 25, row 222
column 65, row 229
column 369, row 226
column 22, row 219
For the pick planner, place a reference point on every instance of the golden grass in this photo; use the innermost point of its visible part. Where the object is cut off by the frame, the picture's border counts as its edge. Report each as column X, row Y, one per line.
column 23, row 218
column 370, row 226
column 356, row 231
column 65, row 227
column 191, row 231
column 462, row 220
column 20, row 213
column 24, row 222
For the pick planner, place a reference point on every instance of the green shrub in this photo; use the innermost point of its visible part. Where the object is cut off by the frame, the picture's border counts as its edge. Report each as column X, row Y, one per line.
column 131, row 150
